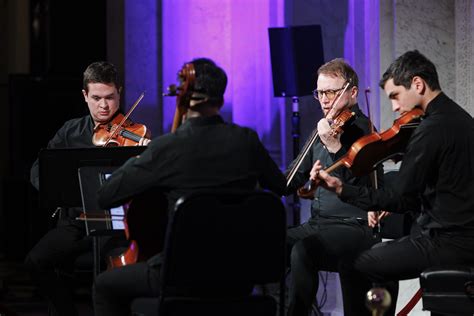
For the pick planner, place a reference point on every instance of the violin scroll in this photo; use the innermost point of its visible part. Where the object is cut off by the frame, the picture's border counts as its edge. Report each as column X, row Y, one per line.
column 339, row 121
column 307, row 192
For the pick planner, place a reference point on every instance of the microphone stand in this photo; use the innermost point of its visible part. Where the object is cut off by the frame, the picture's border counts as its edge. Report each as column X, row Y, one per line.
column 296, row 133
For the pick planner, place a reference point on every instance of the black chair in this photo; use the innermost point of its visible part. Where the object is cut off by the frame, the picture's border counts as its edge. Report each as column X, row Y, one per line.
column 218, row 246
column 448, row 290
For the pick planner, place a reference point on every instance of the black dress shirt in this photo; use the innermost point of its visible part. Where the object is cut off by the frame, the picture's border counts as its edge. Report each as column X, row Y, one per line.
column 203, row 153
column 326, row 203
column 437, row 171
column 74, row 133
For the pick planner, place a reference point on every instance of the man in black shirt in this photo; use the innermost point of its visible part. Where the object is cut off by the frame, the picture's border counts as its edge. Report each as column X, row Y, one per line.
column 203, row 153
column 57, row 250
column 436, row 177
column 336, row 231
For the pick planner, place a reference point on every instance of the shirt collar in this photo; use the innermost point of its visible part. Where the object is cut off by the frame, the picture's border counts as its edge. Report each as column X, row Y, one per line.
column 435, row 104
column 203, row 120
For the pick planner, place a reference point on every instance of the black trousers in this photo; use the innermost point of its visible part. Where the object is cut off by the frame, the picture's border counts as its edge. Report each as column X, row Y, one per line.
column 328, row 245
column 407, row 257
column 115, row 289
column 55, row 252
column 52, row 259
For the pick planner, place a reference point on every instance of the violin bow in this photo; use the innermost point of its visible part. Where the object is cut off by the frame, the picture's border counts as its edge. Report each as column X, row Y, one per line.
column 314, row 136
column 117, row 127
column 377, row 229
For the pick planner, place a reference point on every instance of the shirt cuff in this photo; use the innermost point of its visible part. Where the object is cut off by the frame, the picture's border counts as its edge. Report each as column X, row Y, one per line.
column 349, row 192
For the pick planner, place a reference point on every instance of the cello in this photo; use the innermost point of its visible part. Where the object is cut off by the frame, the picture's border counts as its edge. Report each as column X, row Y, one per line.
column 145, row 228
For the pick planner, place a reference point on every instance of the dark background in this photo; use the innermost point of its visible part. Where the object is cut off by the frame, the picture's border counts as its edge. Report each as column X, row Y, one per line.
column 61, row 44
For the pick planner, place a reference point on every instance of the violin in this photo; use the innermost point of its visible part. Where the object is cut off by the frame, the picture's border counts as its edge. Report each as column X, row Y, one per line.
column 115, row 133
column 138, row 226
column 120, row 131
column 336, row 128
column 370, row 150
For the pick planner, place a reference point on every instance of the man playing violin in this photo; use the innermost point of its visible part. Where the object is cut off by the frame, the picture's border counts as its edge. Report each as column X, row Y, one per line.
column 57, row 250
column 436, row 178
column 336, row 231
column 203, row 153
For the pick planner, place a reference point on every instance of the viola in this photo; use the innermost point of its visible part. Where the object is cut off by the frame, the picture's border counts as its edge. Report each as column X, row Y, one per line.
column 120, row 131
column 370, row 150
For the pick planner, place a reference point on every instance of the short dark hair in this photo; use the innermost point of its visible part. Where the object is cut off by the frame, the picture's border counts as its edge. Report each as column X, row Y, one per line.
column 409, row 65
column 100, row 72
column 210, row 79
column 339, row 67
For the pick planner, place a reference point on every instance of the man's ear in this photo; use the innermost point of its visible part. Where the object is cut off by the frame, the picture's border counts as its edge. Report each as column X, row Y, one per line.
column 84, row 93
column 354, row 92
column 418, row 84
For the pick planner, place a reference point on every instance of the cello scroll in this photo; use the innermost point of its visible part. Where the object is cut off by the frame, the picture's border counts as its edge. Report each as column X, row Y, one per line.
column 183, row 93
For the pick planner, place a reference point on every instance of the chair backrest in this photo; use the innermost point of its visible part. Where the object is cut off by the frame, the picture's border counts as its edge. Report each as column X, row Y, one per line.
column 223, row 241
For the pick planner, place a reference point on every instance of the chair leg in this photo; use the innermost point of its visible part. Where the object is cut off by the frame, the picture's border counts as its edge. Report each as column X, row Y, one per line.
column 282, row 296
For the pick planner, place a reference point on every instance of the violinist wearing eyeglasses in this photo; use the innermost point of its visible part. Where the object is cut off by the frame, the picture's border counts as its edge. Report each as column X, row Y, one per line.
column 336, row 231
column 58, row 249
column 436, row 178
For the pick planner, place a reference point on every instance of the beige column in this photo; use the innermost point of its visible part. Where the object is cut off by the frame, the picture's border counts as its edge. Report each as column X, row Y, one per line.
column 464, row 26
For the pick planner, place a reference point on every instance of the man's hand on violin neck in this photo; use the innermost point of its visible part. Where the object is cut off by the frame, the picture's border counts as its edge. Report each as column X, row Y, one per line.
column 331, row 140
column 322, row 178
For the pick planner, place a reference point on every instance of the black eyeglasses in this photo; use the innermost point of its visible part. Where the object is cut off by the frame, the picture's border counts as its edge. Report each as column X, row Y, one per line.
column 330, row 93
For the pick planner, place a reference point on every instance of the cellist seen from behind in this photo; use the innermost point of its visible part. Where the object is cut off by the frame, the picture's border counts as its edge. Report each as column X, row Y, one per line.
column 204, row 152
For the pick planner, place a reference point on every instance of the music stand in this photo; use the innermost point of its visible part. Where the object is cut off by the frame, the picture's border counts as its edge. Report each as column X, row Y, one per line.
column 59, row 178
column 97, row 219
column 58, row 168
column 296, row 52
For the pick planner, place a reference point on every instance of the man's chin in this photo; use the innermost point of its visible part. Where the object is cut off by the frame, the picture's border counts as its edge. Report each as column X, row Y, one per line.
column 103, row 120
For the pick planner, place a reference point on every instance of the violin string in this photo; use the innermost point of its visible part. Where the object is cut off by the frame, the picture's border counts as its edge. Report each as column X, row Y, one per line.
column 117, row 127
